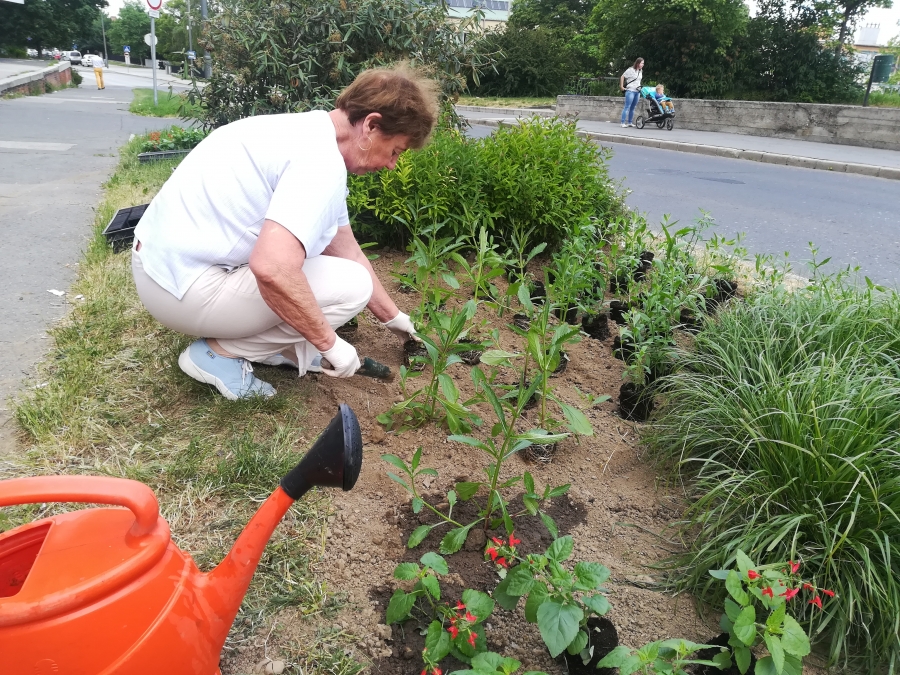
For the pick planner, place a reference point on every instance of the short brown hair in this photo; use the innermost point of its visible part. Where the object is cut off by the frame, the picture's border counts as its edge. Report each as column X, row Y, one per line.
column 405, row 98
column 636, row 62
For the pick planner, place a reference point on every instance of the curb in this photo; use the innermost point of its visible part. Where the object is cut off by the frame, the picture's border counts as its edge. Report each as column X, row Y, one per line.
column 890, row 173
column 34, row 76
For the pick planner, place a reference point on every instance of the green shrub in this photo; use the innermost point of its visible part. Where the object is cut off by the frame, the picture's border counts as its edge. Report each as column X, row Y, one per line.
column 536, row 181
column 785, row 418
column 175, row 138
column 77, row 79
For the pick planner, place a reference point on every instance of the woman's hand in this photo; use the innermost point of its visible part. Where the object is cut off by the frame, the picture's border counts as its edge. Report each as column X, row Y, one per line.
column 342, row 358
column 401, row 326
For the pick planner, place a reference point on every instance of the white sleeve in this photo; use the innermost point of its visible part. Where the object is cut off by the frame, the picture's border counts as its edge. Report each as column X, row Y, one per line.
column 307, row 202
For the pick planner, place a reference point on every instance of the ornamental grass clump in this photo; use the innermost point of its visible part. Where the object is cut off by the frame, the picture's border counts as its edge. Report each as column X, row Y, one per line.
column 785, row 421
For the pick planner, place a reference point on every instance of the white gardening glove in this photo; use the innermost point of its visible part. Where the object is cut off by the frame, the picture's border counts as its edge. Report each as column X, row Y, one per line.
column 342, row 359
column 402, row 326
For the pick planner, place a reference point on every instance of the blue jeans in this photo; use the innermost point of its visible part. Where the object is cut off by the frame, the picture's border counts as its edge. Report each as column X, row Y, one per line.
column 631, row 99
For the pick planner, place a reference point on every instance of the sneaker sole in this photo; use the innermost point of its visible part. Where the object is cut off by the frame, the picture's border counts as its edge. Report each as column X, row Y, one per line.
column 191, row 369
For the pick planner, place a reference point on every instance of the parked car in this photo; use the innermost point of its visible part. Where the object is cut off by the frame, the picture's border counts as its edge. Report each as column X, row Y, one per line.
column 32, row 53
column 72, row 57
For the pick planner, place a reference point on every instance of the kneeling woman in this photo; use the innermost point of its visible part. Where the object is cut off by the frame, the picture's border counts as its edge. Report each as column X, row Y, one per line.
column 248, row 244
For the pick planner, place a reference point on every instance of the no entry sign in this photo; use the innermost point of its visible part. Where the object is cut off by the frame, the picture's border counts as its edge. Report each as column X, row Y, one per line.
column 154, row 5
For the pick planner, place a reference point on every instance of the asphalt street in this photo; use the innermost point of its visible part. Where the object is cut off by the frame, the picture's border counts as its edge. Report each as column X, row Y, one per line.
column 851, row 218
column 55, row 152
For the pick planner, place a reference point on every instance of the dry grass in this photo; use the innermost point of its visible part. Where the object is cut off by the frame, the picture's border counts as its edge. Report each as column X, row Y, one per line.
column 109, row 399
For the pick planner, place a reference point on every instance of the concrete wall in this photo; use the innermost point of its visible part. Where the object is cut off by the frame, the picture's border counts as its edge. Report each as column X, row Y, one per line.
column 844, row 124
column 58, row 75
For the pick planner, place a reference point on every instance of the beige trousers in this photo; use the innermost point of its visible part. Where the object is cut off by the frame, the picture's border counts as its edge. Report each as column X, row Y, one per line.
column 98, row 74
column 228, row 306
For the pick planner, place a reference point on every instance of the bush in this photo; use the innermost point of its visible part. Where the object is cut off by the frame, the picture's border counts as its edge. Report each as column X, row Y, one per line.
column 786, row 418
column 77, row 79
column 536, row 178
column 175, row 138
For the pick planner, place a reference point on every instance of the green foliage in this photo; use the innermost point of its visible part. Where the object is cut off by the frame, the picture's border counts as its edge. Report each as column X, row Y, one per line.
column 296, row 56
column 173, row 138
column 169, row 104
column 666, row 657
column 129, row 29
column 784, row 418
column 535, row 182
column 49, row 23
column 490, row 663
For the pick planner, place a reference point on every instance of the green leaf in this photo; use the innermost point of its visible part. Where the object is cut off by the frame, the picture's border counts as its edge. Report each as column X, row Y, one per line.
column 742, row 659
column 487, row 662
column 773, row 644
column 504, row 599
column 437, row 641
column 559, row 491
column 406, row 571
column 561, row 549
column 773, row 623
column 451, row 497
column 736, row 588
column 732, row 609
column 550, row 525
column 792, row 665
column 454, row 539
column 480, row 604
column 497, row 357
column 536, row 597
column 765, row 666
column 615, row 658
column 719, row 574
column 577, row 421
column 399, row 606
column 417, row 504
column 745, row 626
column 530, row 505
column 598, row 604
column 520, row 580
column 467, row 490
column 558, row 624
column 590, row 575
column 744, row 563
column 794, row 639
column 579, row 643
column 396, row 461
column 418, row 535
column 433, row 561
column 431, row 584
column 468, row 440
column 529, row 482
column 394, row 477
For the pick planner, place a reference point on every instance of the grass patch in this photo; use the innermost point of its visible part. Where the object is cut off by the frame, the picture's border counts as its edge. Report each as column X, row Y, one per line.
column 785, row 422
column 171, row 104
column 506, row 102
column 884, row 99
column 112, row 401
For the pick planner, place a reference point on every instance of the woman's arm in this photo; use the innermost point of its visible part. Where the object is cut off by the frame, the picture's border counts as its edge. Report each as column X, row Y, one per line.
column 344, row 245
column 622, row 82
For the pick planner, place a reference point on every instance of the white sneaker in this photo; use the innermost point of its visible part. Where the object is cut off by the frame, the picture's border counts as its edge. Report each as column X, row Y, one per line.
column 631, row 125
column 624, row 125
column 279, row 360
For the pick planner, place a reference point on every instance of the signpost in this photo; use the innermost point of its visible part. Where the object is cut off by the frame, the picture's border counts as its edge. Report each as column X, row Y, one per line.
column 882, row 67
column 127, row 51
column 154, row 15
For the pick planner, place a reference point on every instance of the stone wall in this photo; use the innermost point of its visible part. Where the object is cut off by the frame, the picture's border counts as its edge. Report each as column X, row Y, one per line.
column 58, row 75
column 843, row 124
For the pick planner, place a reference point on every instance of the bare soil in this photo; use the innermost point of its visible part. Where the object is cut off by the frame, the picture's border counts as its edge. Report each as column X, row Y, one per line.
column 617, row 509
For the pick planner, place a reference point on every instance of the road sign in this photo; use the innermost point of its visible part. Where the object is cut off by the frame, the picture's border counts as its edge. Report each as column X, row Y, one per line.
column 147, row 40
column 154, row 5
column 191, row 55
column 126, row 49
column 154, row 13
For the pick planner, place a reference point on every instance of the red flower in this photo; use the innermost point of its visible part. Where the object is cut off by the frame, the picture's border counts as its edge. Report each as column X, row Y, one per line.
column 472, row 637
column 794, row 567
column 752, row 575
column 830, row 594
column 513, row 541
column 471, row 618
column 808, row 587
column 497, row 541
column 459, row 605
column 436, row 671
column 454, row 631
column 790, row 593
column 768, row 591
column 817, row 601
column 425, row 671
column 492, row 552
column 502, row 561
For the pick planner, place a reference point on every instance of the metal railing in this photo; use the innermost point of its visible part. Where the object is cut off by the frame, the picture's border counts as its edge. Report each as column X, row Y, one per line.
column 593, row 86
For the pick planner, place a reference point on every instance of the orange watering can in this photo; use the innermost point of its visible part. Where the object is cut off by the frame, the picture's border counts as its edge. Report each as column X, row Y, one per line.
column 105, row 591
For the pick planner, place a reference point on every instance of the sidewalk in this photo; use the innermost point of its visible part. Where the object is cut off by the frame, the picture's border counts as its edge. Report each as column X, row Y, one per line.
column 804, row 154
column 142, row 71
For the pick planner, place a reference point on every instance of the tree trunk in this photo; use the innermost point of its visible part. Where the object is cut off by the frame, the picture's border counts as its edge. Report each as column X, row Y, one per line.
column 845, row 22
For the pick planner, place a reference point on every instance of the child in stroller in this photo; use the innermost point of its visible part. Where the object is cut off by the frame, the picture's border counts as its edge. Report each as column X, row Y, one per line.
column 655, row 107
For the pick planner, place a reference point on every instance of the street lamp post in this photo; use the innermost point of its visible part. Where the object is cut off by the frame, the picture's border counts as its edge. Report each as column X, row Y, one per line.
column 103, row 30
column 207, row 59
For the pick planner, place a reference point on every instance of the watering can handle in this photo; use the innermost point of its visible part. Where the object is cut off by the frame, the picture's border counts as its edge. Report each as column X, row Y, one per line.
column 88, row 489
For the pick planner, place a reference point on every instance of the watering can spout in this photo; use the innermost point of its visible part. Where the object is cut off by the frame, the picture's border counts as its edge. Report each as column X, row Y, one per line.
column 334, row 460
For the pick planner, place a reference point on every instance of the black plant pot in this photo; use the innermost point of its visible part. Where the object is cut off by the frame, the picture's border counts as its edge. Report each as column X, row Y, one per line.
column 413, row 348
column 539, row 453
column 570, row 316
column 644, row 266
column 521, row 321
column 635, row 403
column 707, row 655
column 471, row 357
column 538, row 292
column 617, row 310
column 562, row 365
column 596, row 325
column 623, row 349
column 725, row 290
column 619, row 283
column 603, row 638
column 689, row 322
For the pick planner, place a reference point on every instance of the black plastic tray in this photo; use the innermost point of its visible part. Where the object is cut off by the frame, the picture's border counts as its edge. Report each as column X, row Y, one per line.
column 120, row 231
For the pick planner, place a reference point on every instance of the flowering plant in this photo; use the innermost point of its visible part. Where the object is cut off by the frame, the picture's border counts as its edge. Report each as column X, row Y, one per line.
column 501, row 551
column 489, row 663
column 559, row 601
column 773, row 587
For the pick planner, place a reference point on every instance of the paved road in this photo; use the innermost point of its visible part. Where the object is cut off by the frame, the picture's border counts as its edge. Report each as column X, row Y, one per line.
column 13, row 67
column 55, row 152
column 854, row 219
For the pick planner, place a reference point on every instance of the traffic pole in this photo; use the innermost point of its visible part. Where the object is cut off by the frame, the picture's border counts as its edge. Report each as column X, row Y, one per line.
column 103, row 28
column 153, row 57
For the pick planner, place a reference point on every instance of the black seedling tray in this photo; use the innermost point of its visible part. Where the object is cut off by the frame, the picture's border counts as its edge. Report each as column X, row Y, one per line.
column 120, row 231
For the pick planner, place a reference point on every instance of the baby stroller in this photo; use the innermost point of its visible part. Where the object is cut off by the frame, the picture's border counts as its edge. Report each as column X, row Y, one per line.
column 651, row 111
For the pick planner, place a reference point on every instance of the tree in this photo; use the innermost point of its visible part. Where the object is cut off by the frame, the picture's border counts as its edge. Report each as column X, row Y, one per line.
column 688, row 44
column 172, row 29
column 847, row 12
column 129, row 29
column 49, row 23
column 295, row 55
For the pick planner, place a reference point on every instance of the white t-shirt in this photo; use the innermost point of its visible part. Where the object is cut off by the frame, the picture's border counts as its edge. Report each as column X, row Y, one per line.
column 632, row 80
column 95, row 60
column 285, row 168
